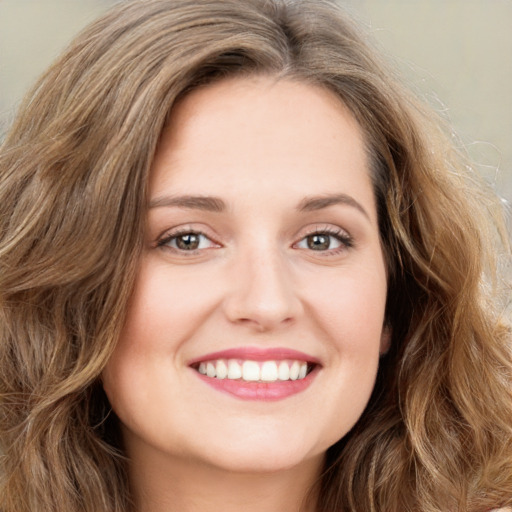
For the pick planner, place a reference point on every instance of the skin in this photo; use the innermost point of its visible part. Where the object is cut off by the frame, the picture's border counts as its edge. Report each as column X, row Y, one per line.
column 264, row 147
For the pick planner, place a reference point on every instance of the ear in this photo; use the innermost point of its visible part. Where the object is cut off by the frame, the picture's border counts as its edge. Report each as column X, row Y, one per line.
column 385, row 340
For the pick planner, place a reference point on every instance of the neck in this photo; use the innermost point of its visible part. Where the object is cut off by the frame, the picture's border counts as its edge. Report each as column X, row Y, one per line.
column 187, row 486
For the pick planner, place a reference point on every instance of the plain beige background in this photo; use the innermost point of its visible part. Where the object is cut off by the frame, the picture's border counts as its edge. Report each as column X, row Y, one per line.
column 456, row 53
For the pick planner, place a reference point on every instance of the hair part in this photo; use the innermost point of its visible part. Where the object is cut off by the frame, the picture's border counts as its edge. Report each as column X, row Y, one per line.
column 436, row 434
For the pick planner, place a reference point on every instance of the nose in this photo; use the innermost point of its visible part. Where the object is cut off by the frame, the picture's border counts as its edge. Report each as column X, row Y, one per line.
column 261, row 293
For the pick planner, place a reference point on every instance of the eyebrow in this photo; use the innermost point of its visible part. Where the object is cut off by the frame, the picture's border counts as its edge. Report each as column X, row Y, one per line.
column 207, row 203
column 217, row 205
column 314, row 203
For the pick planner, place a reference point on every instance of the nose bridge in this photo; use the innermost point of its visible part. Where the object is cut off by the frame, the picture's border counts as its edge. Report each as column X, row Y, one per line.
column 261, row 292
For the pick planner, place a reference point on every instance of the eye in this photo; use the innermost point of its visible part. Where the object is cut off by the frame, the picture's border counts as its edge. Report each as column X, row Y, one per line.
column 187, row 241
column 325, row 241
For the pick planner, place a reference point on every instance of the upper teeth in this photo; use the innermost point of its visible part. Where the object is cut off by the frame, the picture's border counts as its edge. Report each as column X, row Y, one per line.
column 266, row 371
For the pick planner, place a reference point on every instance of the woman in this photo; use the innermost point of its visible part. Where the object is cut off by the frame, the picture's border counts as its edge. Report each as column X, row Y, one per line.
column 242, row 268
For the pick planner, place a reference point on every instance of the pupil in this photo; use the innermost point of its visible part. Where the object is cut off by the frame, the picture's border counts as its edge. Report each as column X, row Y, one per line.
column 188, row 242
column 318, row 242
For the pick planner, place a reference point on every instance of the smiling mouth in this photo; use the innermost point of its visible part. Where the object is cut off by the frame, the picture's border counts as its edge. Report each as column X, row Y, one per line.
column 255, row 371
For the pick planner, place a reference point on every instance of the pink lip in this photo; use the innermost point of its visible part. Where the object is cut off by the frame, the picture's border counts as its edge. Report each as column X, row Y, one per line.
column 256, row 354
column 263, row 391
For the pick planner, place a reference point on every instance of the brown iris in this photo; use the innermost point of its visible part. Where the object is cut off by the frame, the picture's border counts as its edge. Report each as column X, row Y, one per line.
column 318, row 242
column 187, row 242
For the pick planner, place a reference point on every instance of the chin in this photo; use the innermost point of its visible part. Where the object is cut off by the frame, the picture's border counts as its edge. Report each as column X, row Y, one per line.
column 267, row 456
column 250, row 463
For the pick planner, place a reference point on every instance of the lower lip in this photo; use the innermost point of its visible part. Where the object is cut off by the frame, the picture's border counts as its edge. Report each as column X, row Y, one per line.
column 264, row 391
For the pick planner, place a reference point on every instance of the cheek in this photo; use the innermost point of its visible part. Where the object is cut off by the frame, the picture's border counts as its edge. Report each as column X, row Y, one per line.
column 164, row 312
column 351, row 314
column 349, row 308
column 140, row 348
column 351, row 305
column 167, row 306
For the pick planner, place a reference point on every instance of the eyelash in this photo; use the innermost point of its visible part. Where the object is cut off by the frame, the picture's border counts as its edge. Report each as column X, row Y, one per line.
column 340, row 235
column 167, row 238
column 346, row 241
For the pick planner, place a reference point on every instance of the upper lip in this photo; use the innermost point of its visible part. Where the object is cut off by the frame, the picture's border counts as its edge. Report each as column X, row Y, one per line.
column 257, row 354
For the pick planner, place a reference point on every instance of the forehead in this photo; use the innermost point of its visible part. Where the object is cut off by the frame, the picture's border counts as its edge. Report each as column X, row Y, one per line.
column 260, row 133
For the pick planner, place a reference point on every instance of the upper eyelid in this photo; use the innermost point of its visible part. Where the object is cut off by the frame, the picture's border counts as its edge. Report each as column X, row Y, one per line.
column 323, row 228
column 175, row 232
column 343, row 236
column 188, row 227
column 211, row 243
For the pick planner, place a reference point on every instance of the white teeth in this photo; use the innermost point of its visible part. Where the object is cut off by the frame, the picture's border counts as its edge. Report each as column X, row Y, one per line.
column 269, row 371
column 221, row 369
column 284, row 371
column 234, row 370
column 253, row 371
column 294, row 370
column 250, row 371
column 210, row 370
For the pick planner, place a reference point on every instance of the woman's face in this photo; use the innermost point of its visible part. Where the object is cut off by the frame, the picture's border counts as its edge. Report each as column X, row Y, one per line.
column 254, row 331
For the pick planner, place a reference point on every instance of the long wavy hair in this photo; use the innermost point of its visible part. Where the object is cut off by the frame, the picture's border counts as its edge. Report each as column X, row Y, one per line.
column 437, row 432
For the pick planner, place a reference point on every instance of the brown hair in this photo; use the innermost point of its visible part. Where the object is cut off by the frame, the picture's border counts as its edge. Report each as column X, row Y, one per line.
column 437, row 433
